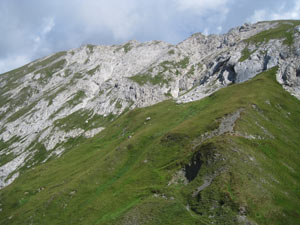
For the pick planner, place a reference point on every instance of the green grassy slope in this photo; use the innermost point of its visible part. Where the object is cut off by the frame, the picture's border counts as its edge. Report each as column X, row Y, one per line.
column 284, row 30
column 121, row 176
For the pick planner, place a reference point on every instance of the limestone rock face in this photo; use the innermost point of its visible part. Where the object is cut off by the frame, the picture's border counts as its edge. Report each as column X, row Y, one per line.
column 50, row 104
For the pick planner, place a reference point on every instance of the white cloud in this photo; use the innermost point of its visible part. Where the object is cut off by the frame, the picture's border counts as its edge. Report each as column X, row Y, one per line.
column 12, row 62
column 118, row 17
column 259, row 15
column 25, row 44
column 202, row 5
column 280, row 14
column 294, row 13
column 40, row 38
column 211, row 10
column 48, row 25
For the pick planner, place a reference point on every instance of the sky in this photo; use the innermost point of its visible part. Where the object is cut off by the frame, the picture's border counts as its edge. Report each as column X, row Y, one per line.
column 33, row 29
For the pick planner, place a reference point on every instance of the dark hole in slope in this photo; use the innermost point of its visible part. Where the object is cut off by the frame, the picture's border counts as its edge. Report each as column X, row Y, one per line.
column 192, row 169
column 204, row 155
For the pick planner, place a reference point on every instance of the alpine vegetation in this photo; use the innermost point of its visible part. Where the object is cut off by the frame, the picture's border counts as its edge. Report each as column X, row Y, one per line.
column 202, row 132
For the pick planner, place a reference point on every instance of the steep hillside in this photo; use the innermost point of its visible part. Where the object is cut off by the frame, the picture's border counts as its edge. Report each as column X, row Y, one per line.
column 50, row 105
column 230, row 158
column 153, row 133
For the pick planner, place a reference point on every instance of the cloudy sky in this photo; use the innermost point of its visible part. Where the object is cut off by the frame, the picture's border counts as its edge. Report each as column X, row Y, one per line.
column 33, row 28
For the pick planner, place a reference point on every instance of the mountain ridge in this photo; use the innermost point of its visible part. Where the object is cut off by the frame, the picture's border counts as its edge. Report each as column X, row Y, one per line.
column 51, row 105
column 95, row 82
